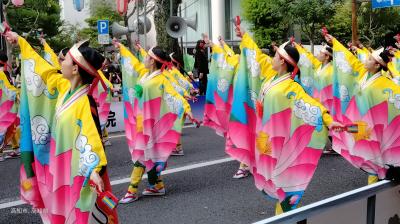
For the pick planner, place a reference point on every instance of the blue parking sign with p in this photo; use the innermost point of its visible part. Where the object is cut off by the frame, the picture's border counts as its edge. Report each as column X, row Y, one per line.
column 102, row 27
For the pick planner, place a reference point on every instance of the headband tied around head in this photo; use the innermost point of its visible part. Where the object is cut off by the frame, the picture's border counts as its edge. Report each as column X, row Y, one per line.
column 376, row 55
column 283, row 54
column 165, row 64
column 78, row 58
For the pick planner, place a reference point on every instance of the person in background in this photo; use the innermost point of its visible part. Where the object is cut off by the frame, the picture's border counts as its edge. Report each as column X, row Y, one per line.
column 201, row 65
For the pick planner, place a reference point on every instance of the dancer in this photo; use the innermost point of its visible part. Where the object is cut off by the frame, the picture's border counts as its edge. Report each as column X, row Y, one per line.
column 60, row 144
column 154, row 111
column 369, row 100
column 291, row 129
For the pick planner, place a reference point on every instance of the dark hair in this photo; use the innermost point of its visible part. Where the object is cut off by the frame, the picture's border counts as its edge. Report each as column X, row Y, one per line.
column 198, row 48
column 94, row 58
column 3, row 58
column 64, row 51
column 329, row 49
column 294, row 54
column 386, row 56
column 159, row 52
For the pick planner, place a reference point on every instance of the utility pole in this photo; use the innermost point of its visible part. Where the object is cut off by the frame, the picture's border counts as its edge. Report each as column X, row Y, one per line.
column 354, row 25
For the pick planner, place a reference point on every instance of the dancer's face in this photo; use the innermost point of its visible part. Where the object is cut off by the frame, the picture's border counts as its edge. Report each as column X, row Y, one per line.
column 68, row 68
column 277, row 62
column 372, row 65
column 149, row 62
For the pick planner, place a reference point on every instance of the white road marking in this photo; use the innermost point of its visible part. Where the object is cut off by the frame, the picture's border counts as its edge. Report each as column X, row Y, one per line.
column 127, row 180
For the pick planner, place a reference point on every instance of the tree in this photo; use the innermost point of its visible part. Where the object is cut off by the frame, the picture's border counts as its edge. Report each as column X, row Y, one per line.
column 33, row 16
column 267, row 21
column 376, row 24
column 311, row 15
column 340, row 24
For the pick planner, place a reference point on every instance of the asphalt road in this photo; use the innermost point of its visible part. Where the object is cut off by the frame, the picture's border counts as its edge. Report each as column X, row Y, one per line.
column 204, row 193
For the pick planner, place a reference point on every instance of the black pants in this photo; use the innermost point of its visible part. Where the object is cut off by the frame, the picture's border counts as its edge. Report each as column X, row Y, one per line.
column 203, row 84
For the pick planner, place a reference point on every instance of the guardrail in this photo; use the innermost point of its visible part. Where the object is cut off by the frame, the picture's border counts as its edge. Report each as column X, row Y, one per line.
column 377, row 203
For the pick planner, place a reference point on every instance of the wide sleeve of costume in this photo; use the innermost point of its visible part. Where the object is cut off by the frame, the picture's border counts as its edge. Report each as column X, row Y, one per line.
column 258, row 62
column 308, row 65
column 347, row 72
column 8, row 106
column 183, row 81
column 50, row 56
column 175, row 84
column 134, row 62
column 169, row 89
column 228, row 50
column 39, row 72
column 89, row 131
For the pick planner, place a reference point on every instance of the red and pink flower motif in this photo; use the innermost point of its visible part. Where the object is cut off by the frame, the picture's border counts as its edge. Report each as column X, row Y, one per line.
column 283, row 161
column 376, row 144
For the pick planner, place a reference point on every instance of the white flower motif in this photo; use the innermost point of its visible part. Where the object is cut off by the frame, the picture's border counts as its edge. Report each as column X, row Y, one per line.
column 40, row 130
column 344, row 93
column 126, row 64
column 342, row 63
column 223, row 85
column 181, row 82
column 309, row 114
column 88, row 160
column 252, row 63
column 177, row 88
column 304, row 61
column 174, row 105
column 34, row 83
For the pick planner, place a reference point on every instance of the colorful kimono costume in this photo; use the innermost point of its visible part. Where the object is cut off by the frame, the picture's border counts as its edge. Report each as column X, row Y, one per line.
column 374, row 105
column 289, row 130
column 219, row 92
column 394, row 67
column 316, row 77
column 153, row 114
column 50, row 56
column 60, row 145
column 103, row 97
column 8, row 110
column 253, row 67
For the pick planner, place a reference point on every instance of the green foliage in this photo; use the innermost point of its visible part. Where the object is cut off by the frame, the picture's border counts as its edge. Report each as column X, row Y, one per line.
column 272, row 19
column 340, row 24
column 311, row 15
column 267, row 22
column 35, row 14
column 375, row 24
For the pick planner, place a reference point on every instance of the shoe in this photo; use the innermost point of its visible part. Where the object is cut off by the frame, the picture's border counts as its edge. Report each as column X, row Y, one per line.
column 152, row 191
column 2, row 158
column 177, row 153
column 241, row 173
column 13, row 155
column 128, row 198
column 107, row 143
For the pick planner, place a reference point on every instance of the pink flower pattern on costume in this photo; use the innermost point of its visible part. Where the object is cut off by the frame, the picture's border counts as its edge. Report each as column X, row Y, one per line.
column 376, row 144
